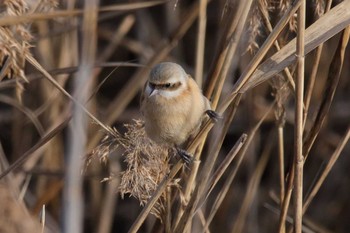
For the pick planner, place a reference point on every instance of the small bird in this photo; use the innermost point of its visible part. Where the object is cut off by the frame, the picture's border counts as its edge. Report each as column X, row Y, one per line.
column 173, row 107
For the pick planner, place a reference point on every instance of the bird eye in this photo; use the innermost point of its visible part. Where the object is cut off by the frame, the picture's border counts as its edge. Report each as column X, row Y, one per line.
column 167, row 85
column 152, row 85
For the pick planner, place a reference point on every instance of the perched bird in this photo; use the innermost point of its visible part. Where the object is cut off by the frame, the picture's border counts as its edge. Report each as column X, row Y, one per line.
column 173, row 106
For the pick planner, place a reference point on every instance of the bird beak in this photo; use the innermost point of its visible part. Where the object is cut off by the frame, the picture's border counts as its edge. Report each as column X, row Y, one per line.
column 152, row 92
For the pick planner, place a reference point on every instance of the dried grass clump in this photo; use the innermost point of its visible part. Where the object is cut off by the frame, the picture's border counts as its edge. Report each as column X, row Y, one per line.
column 14, row 41
column 147, row 164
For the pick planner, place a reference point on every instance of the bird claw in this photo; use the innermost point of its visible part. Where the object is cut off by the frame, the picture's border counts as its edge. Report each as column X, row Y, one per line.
column 185, row 156
column 213, row 115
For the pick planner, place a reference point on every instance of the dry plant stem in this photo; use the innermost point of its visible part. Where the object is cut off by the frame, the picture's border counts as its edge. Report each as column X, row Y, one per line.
column 265, row 47
column 201, row 42
column 331, row 85
column 109, row 200
column 327, row 26
column 231, row 50
column 191, row 185
column 286, row 200
column 36, row 64
column 253, row 187
column 190, row 182
column 311, row 82
column 327, row 169
column 202, row 187
column 313, row 74
column 330, row 88
column 269, row 28
column 162, row 185
column 117, row 37
column 343, row 16
column 168, row 211
column 238, row 149
column 7, row 100
column 204, row 176
column 324, row 108
column 281, row 162
column 11, row 20
column 157, row 193
column 73, row 195
column 298, row 125
column 232, row 175
column 231, row 24
column 39, row 144
column 225, row 164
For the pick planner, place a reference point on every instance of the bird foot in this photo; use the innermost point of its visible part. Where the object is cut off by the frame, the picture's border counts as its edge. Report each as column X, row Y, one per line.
column 185, row 156
column 213, row 115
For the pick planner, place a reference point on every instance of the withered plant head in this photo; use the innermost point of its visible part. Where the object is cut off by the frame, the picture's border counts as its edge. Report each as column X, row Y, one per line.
column 15, row 40
column 147, row 164
column 254, row 30
column 281, row 92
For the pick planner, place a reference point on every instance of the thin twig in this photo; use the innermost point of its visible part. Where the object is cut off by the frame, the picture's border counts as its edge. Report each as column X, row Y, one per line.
column 298, row 125
column 314, row 70
column 340, row 18
column 330, row 88
column 327, row 169
column 201, row 41
column 253, row 187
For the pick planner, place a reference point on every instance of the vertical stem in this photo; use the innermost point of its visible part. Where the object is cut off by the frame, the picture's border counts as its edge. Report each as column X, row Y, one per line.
column 73, row 197
column 201, row 41
column 298, row 130
column 281, row 162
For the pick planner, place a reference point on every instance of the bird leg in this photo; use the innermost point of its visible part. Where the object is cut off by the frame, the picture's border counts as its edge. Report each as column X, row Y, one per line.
column 213, row 115
column 185, row 156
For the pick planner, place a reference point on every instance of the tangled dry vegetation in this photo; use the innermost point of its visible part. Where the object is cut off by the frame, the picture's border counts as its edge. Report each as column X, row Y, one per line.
column 75, row 158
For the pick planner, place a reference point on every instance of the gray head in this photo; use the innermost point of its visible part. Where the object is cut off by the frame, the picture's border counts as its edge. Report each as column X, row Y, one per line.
column 167, row 79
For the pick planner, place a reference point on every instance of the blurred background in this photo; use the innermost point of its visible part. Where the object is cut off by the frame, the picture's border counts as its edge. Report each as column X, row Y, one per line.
column 100, row 52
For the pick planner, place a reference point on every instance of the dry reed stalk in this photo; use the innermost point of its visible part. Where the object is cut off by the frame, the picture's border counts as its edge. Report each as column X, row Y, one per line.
column 227, row 55
column 252, row 187
column 73, row 189
column 251, row 134
column 326, row 170
column 281, row 94
column 236, row 150
column 265, row 17
column 246, row 75
column 335, row 70
column 330, row 88
column 229, row 28
column 331, row 23
column 12, row 20
column 315, row 66
column 202, row 18
column 298, row 125
column 204, row 176
column 215, row 148
column 8, row 100
column 231, row 50
column 38, row 145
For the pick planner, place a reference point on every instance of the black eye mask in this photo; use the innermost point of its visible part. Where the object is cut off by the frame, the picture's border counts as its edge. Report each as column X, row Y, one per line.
column 165, row 86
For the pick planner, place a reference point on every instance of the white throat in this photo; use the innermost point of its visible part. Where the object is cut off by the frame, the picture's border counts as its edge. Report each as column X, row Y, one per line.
column 169, row 94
